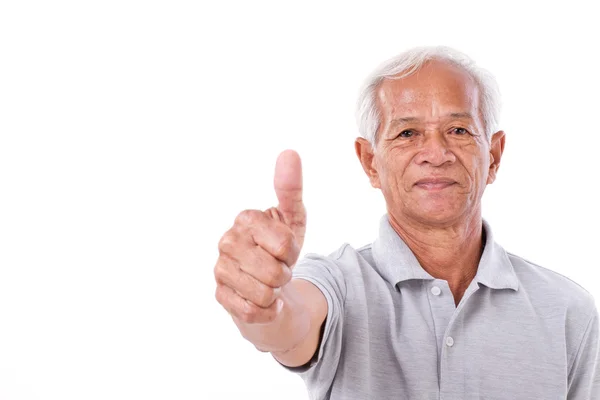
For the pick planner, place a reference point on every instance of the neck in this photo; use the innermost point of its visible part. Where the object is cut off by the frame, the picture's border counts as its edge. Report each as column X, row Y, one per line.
column 450, row 252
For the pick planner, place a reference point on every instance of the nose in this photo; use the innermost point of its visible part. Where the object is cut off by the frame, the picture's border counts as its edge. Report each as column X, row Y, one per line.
column 434, row 150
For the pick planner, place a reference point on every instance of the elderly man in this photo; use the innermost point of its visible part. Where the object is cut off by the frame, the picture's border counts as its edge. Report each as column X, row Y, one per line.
column 433, row 308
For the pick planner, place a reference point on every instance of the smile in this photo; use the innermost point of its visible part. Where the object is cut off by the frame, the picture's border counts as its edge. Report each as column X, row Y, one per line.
column 435, row 184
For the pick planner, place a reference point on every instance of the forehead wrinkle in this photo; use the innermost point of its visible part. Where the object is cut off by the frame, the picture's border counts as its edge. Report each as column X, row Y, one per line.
column 428, row 99
column 447, row 116
column 438, row 102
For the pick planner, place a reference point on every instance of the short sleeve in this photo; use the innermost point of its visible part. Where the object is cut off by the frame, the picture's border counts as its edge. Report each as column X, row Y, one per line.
column 584, row 375
column 326, row 274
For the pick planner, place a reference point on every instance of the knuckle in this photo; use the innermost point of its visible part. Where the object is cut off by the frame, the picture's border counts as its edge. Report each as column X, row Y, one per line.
column 261, row 349
column 223, row 274
column 218, row 271
column 276, row 275
column 266, row 296
column 219, row 295
column 248, row 313
column 247, row 217
column 227, row 242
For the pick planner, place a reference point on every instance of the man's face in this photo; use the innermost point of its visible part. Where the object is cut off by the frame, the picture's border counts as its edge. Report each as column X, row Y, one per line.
column 432, row 159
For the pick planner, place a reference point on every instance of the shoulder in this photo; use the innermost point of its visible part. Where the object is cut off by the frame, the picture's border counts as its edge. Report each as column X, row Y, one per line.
column 343, row 266
column 551, row 290
column 345, row 257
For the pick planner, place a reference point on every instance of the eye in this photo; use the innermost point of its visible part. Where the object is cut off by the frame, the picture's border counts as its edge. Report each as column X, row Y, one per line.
column 406, row 133
column 460, row 131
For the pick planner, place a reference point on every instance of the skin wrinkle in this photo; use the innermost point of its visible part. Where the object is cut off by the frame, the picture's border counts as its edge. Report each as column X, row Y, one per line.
column 442, row 226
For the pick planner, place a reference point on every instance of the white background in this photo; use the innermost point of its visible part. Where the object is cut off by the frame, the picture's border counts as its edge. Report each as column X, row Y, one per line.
column 132, row 133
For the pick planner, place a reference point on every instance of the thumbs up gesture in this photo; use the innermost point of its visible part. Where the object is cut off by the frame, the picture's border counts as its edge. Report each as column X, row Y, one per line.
column 257, row 254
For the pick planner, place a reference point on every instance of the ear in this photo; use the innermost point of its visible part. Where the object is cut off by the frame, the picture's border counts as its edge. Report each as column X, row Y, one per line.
column 496, row 150
column 364, row 151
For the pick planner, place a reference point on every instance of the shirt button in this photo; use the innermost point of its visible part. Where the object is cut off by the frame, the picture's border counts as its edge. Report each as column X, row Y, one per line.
column 449, row 341
column 436, row 290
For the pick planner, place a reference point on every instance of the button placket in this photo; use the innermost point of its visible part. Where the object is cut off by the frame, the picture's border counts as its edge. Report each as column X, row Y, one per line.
column 451, row 367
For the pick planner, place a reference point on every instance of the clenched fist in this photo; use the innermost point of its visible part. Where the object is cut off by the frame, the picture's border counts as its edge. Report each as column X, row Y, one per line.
column 257, row 254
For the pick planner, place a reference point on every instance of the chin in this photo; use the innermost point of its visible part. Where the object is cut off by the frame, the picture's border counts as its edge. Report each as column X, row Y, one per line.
column 438, row 213
column 439, row 219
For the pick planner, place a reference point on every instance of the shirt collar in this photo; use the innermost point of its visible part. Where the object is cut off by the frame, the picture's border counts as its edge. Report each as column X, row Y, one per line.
column 397, row 263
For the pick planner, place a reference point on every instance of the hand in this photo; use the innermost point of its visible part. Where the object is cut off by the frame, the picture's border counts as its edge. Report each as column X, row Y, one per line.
column 257, row 254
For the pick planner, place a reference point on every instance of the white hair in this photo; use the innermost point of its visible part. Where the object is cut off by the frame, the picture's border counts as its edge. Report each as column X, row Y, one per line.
column 408, row 62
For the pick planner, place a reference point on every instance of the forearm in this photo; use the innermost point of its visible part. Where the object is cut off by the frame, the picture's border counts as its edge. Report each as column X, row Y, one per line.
column 287, row 331
column 294, row 336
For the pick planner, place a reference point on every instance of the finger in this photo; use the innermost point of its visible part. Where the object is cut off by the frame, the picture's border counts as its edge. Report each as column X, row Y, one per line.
column 228, row 272
column 274, row 214
column 272, row 235
column 244, row 310
column 262, row 266
column 288, row 188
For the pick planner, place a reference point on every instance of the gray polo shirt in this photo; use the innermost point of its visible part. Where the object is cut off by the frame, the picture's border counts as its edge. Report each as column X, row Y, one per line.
column 393, row 331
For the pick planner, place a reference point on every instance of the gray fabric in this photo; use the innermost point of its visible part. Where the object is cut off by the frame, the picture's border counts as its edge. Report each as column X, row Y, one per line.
column 519, row 332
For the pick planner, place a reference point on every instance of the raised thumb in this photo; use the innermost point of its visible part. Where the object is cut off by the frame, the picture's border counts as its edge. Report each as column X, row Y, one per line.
column 288, row 188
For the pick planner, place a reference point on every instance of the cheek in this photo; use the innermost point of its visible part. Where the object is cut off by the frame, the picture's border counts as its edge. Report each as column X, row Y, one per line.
column 393, row 172
column 399, row 159
column 476, row 162
column 483, row 173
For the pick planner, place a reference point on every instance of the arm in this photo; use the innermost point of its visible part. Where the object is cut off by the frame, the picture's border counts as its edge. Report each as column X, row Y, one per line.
column 304, row 312
column 253, row 274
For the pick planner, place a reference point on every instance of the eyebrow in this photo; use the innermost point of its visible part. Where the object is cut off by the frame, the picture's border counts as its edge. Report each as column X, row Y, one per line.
column 404, row 120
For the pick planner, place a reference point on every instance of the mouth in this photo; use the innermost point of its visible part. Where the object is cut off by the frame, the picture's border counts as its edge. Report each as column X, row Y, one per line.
column 434, row 184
